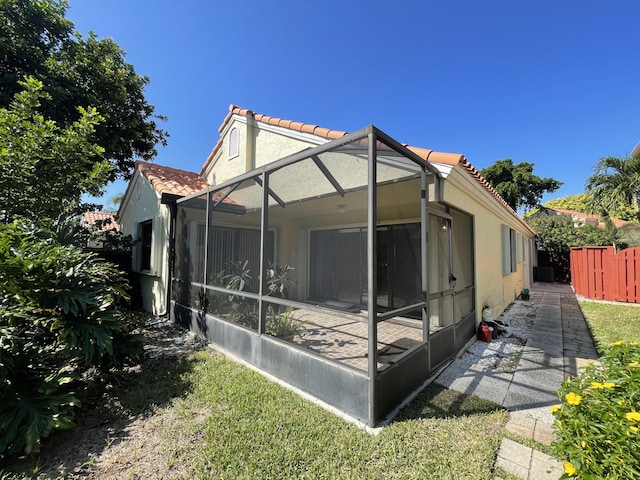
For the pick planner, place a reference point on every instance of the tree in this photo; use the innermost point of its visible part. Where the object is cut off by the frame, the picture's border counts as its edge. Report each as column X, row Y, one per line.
column 44, row 169
column 517, row 184
column 576, row 203
column 555, row 235
column 37, row 40
column 615, row 181
column 583, row 202
column 628, row 235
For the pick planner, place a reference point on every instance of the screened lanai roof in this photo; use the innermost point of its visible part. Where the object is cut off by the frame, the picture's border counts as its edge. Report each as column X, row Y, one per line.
column 329, row 169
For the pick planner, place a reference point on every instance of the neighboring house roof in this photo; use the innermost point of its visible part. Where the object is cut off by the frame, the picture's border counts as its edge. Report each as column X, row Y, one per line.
column 587, row 218
column 90, row 218
column 431, row 156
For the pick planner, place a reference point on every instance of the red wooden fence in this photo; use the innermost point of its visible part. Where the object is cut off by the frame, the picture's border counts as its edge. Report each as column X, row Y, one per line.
column 600, row 273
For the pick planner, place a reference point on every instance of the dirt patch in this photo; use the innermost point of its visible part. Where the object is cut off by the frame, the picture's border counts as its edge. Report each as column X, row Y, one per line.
column 109, row 445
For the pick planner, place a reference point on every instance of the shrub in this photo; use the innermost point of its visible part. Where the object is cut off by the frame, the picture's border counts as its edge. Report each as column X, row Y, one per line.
column 59, row 319
column 598, row 424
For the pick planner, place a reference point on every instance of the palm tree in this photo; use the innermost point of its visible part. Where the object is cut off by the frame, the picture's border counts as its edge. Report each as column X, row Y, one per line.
column 615, row 181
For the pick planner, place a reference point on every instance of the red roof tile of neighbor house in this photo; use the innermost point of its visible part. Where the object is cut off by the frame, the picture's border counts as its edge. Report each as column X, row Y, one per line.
column 171, row 180
column 427, row 155
column 90, row 218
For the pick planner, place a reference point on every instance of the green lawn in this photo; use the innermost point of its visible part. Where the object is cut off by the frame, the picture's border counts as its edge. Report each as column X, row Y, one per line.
column 257, row 429
column 229, row 422
column 612, row 322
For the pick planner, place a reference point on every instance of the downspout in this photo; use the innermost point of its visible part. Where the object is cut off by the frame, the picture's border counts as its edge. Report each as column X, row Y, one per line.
column 170, row 201
column 372, row 308
column 250, row 143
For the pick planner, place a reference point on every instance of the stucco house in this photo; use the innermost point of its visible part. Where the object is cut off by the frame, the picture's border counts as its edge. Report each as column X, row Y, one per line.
column 144, row 214
column 296, row 227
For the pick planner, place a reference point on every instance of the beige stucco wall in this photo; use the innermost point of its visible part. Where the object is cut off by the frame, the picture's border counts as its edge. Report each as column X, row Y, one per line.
column 257, row 146
column 143, row 203
column 492, row 287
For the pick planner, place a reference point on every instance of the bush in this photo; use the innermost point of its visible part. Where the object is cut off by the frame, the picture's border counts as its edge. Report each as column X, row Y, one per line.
column 598, row 425
column 59, row 319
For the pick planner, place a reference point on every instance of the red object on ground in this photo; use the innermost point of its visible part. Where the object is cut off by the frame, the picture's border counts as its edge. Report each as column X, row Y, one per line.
column 484, row 333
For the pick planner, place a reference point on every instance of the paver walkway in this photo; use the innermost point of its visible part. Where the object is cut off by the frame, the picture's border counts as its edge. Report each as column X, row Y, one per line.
column 558, row 344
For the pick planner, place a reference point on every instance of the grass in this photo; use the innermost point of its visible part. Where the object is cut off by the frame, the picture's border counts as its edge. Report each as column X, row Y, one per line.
column 229, row 422
column 257, row 429
column 612, row 322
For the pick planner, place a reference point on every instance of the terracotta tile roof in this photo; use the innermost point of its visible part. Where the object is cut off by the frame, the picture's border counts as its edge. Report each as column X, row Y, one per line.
column 171, row 180
column 457, row 159
column 427, row 155
column 90, row 219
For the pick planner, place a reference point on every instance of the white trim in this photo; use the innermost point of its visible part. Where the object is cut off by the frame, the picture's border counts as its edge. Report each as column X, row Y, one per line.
column 443, row 169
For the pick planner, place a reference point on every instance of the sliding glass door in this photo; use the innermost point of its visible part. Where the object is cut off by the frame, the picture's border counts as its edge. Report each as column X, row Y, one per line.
column 338, row 266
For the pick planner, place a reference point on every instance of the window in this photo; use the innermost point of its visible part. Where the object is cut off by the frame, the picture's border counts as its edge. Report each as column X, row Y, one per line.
column 146, row 234
column 234, row 141
column 509, row 250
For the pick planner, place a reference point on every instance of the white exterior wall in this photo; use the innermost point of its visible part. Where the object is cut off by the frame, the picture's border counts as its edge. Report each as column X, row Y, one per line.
column 492, row 287
column 142, row 203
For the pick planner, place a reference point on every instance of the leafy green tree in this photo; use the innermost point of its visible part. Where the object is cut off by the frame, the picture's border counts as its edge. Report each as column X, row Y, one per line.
column 583, row 203
column 629, row 235
column 615, row 181
column 37, row 40
column 557, row 234
column 61, row 325
column 44, row 168
column 576, row 203
column 517, row 184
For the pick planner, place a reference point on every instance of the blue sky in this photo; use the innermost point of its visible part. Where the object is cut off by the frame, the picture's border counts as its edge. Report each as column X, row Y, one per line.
column 554, row 83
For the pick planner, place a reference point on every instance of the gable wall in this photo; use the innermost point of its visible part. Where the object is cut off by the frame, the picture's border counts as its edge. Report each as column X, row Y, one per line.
column 259, row 145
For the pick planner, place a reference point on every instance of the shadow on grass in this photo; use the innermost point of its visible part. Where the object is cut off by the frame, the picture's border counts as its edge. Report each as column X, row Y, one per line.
column 105, row 418
column 436, row 401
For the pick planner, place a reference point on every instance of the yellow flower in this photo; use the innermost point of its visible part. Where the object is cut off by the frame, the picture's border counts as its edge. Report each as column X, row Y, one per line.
column 633, row 429
column 633, row 364
column 555, row 408
column 569, row 469
column 633, row 416
column 572, row 398
column 617, row 343
column 596, row 385
column 608, row 385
